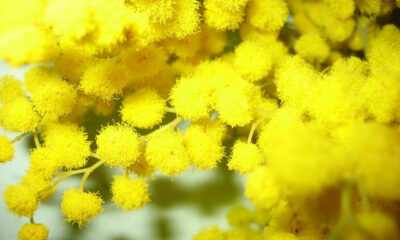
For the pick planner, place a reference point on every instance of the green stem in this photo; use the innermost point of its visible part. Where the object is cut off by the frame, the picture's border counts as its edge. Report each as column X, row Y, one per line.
column 89, row 171
column 17, row 138
column 254, row 126
column 36, row 138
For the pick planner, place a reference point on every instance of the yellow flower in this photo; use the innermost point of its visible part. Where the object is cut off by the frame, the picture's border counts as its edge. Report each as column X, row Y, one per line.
column 21, row 200
column 18, row 115
column 212, row 232
column 6, row 149
column 144, row 108
column 262, row 188
column 245, row 157
column 118, row 145
column 67, row 143
column 129, row 194
column 165, row 151
column 79, row 206
column 33, row 231
column 203, row 147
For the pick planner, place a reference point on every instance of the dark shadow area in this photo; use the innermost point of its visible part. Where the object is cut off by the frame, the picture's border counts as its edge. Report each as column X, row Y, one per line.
column 162, row 227
column 93, row 123
column 217, row 190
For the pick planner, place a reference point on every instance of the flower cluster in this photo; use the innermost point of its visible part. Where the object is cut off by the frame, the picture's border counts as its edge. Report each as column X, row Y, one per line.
column 313, row 85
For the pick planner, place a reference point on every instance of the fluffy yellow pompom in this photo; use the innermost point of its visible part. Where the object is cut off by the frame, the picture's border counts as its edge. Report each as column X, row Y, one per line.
column 376, row 151
column 79, row 206
column 224, row 16
column 203, row 147
column 341, row 8
column 190, row 98
column 234, row 103
column 210, row 233
column 33, row 231
column 72, row 19
column 21, row 200
column 38, row 183
column 118, row 145
column 104, row 78
column 143, row 108
column 44, row 162
column 129, row 194
column 145, row 63
column 6, row 149
column 56, row 91
column 10, row 88
column 186, row 19
column 312, row 47
column 28, row 44
column 383, row 56
column 158, row 11
column 262, row 188
column 165, row 150
column 245, row 157
column 141, row 167
column 61, row 136
column 253, row 60
column 239, row 216
column 267, row 15
column 336, row 99
column 312, row 162
column 101, row 23
column 18, row 115
column 294, row 80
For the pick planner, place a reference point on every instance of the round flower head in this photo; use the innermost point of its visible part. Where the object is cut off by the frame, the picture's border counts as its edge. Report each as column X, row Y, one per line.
column 61, row 136
column 104, row 78
column 262, row 188
column 204, row 149
column 79, row 206
column 218, row 16
column 10, row 88
column 54, row 98
column 166, row 152
column 6, row 149
column 44, row 162
column 268, row 15
column 190, row 98
column 212, row 232
column 18, row 115
column 21, row 200
column 144, row 108
column 141, row 167
column 245, row 157
column 38, row 183
column 294, row 79
column 253, row 60
column 144, row 63
column 118, row 145
column 38, row 45
column 233, row 104
column 341, row 8
column 129, row 194
column 239, row 216
column 376, row 152
column 33, row 231
column 186, row 19
column 312, row 47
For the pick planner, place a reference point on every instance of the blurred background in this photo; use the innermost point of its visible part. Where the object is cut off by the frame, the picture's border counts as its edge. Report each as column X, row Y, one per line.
column 179, row 207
